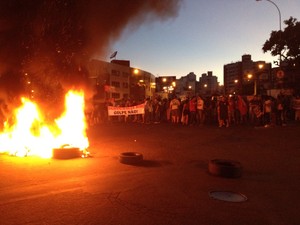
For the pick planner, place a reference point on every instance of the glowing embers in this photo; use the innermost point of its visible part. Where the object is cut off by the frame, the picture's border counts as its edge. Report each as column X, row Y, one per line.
column 30, row 134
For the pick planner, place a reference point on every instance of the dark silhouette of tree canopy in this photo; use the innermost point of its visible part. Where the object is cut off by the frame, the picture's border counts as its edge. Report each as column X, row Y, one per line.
column 286, row 43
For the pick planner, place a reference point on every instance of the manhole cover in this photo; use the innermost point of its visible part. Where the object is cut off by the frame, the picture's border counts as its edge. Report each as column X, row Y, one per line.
column 228, row 196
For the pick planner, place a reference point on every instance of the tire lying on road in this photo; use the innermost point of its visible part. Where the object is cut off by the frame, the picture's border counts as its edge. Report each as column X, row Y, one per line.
column 225, row 168
column 66, row 153
column 131, row 158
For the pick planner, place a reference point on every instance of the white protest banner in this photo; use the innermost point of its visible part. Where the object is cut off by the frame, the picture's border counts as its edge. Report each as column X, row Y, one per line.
column 126, row 111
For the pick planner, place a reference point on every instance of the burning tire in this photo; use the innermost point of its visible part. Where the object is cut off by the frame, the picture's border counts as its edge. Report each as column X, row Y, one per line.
column 131, row 158
column 225, row 168
column 66, row 153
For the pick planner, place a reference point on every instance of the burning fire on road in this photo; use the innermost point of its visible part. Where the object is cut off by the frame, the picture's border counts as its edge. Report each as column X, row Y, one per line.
column 46, row 47
column 29, row 133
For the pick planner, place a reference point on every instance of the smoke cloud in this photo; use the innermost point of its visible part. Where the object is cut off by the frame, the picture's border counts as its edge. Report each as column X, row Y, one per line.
column 52, row 40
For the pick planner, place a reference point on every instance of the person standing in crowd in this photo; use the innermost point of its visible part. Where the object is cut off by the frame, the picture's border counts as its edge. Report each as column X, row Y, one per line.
column 214, row 110
column 267, row 104
column 286, row 113
column 231, row 111
column 208, row 106
column 127, row 118
column 174, row 106
column 200, row 110
column 222, row 109
column 193, row 110
column 256, row 111
column 110, row 102
column 148, row 111
column 185, row 113
column 134, row 117
column 164, row 113
column 88, row 111
column 279, row 110
column 242, row 110
column 121, row 103
column 296, row 107
column 156, row 110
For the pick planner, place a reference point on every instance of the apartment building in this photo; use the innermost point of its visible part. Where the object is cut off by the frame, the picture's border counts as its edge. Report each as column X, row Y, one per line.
column 117, row 80
column 247, row 77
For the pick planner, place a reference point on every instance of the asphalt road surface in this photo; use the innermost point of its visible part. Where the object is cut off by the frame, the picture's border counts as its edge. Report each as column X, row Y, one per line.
column 171, row 186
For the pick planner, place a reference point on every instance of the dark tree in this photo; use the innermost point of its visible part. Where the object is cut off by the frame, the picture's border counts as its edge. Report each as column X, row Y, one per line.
column 286, row 43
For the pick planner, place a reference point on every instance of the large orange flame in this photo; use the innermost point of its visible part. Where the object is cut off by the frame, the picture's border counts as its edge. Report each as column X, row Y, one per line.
column 30, row 135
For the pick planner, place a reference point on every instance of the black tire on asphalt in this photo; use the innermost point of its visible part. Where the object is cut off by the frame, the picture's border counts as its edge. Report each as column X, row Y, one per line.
column 66, row 153
column 225, row 168
column 131, row 158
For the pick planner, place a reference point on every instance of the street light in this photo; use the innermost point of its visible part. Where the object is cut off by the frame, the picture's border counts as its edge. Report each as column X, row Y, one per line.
column 236, row 84
column 260, row 66
column 255, row 76
column 279, row 13
column 277, row 9
column 136, row 71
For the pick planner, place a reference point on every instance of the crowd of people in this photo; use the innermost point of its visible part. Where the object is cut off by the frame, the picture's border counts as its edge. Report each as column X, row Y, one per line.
column 223, row 111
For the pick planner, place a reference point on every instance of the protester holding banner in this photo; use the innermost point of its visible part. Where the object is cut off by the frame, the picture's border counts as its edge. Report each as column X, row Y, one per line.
column 148, row 111
column 130, row 110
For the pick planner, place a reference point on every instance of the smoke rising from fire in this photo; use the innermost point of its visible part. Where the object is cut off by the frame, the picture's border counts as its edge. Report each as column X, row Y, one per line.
column 52, row 40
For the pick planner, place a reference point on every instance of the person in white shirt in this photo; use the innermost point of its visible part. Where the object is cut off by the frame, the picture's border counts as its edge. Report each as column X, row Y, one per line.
column 174, row 106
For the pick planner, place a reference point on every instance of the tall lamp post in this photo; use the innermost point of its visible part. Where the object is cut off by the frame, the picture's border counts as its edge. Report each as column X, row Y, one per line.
column 277, row 9
column 255, row 77
column 279, row 13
